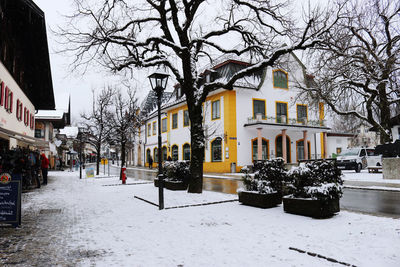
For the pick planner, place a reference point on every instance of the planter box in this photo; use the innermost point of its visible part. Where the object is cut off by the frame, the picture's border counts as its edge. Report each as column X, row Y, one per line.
column 310, row 207
column 172, row 185
column 256, row 199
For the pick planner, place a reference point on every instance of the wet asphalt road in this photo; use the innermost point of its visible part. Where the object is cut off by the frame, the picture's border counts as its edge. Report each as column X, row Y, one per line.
column 377, row 202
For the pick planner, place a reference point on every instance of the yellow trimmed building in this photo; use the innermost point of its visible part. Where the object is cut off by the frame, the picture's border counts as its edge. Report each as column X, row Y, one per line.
column 259, row 119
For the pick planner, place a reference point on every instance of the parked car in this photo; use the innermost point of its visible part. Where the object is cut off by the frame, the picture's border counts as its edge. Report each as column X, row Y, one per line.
column 358, row 158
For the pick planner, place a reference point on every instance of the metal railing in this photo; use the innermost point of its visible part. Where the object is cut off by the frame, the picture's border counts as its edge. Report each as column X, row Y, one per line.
column 283, row 120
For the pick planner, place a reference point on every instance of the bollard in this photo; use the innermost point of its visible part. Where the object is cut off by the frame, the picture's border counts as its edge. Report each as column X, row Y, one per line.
column 123, row 175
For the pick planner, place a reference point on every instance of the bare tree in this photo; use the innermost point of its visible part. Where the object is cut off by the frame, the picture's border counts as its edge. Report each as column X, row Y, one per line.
column 183, row 35
column 124, row 121
column 357, row 67
column 96, row 121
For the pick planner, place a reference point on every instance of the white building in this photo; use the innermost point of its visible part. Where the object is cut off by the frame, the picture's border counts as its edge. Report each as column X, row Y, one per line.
column 250, row 122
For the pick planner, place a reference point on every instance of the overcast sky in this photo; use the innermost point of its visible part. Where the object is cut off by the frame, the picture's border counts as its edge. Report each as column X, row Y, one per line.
column 76, row 85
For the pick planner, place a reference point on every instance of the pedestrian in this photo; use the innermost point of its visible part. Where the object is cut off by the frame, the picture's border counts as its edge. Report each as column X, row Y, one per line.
column 150, row 162
column 45, row 167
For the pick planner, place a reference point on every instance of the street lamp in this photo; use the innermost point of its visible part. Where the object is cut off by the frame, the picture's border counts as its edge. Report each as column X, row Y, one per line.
column 158, row 82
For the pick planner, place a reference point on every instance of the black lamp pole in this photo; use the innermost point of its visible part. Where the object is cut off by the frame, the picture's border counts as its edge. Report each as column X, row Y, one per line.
column 158, row 81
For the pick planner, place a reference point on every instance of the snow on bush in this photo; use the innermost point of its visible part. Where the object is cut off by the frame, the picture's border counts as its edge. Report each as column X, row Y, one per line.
column 268, row 176
column 176, row 171
column 317, row 180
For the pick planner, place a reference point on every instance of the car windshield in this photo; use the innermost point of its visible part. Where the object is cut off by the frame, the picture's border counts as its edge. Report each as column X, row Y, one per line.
column 350, row 152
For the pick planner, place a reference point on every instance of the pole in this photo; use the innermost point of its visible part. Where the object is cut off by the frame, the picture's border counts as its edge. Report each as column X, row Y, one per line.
column 108, row 161
column 160, row 175
column 80, row 158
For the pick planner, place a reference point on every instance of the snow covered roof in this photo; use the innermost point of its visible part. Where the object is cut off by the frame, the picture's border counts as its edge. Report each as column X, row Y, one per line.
column 70, row 132
column 49, row 114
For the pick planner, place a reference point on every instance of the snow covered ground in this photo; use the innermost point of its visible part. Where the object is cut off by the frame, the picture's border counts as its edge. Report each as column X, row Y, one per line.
column 367, row 177
column 125, row 231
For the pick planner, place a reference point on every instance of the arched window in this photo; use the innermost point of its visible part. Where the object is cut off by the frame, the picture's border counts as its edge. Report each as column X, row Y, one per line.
column 155, row 154
column 174, row 153
column 300, row 149
column 280, row 79
column 164, row 153
column 186, row 152
column 216, row 149
column 148, row 155
column 265, row 149
column 278, row 148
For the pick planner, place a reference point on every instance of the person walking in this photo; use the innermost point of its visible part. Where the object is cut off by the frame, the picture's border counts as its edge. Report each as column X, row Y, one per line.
column 150, row 162
column 45, row 167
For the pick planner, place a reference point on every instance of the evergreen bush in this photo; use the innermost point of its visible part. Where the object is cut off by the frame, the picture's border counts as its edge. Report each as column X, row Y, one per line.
column 317, row 180
column 176, row 171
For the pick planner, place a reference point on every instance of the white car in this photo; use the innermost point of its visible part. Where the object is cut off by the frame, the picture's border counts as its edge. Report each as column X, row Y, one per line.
column 358, row 158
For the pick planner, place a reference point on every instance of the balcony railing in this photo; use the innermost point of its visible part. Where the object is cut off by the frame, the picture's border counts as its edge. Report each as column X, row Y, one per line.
column 283, row 120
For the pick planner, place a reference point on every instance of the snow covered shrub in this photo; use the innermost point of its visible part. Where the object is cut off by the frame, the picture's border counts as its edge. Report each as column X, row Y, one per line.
column 317, row 180
column 268, row 176
column 176, row 171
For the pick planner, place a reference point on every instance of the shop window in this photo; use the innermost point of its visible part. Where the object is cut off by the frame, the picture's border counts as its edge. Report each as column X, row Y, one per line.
column 175, row 152
column 186, row 152
column 215, row 110
column 280, row 79
column 258, row 108
column 281, row 112
column 302, row 113
column 164, row 125
column 175, row 121
column 185, row 118
column 148, row 155
column 216, row 150
column 265, row 149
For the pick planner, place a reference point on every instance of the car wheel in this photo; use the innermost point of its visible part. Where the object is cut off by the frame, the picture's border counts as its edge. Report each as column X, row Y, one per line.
column 359, row 167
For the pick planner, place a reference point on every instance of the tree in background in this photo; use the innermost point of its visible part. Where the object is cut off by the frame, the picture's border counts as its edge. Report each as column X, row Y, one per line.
column 184, row 36
column 96, row 122
column 357, row 66
column 124, row 121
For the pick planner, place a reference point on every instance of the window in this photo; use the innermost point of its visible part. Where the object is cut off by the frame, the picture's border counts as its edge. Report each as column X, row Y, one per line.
column 338, row 150
column 300, row 150
column 39, row 133
column 2, row 93
column 8, row 100
column 164, row 125
column 164, row 153
column 186, row 152
column 185, row 118
column 265, row 149
column 175, row 121
column 26, row 116
column 149, row 129
column 155, row 152
column 280, row 79
column 216, row 149
column 278, row 148
column 301, row 113
column 148, row 155
column 281, row 112
column 19, row 110
column 215, row 110
column 32, row 124
column 154, row 128
column 362, row 153
column 175, row 152
column 258, row 107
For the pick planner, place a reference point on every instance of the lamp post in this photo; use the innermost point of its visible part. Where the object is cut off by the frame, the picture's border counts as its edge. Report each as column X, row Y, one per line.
column 81, row 132
column 158, row 82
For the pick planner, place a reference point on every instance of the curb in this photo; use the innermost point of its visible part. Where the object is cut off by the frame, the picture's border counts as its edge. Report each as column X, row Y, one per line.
column 389, row 189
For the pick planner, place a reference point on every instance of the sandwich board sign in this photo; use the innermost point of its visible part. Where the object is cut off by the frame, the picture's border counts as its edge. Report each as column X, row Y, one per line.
column 10, row 199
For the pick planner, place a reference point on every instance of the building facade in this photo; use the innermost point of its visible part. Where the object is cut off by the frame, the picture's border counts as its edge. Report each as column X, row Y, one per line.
column 259, row 119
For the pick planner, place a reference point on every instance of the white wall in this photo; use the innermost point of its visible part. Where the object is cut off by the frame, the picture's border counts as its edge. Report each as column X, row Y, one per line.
column 396, row 132
column 9, row 120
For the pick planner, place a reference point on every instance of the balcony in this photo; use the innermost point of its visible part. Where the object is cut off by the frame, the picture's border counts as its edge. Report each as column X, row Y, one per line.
column 283, row 121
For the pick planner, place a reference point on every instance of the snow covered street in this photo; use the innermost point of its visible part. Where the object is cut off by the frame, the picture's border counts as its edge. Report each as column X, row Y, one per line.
column 96, row 222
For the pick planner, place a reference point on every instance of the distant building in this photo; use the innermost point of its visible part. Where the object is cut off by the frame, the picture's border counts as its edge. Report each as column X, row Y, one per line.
column 25, row 76
column 254, row 121
column 337, row 142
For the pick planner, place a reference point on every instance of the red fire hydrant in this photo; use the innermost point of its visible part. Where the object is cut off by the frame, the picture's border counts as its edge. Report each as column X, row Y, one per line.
column 123, row 175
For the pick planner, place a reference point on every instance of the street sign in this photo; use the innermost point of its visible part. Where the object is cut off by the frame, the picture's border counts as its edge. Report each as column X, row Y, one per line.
column 89, row 172
column 104, row 161
column 10, row 199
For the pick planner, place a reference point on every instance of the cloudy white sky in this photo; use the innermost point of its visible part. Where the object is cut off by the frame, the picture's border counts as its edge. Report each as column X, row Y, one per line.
column 76, row 85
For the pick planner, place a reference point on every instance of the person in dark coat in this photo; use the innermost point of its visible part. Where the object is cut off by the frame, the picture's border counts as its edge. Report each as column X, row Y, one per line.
column 45, row 167
column 150, row 162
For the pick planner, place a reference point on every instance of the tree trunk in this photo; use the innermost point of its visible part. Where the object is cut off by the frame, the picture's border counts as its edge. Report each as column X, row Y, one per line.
column 197, row 150
column 98, row 162
column 385, row 136
column 122, row 159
